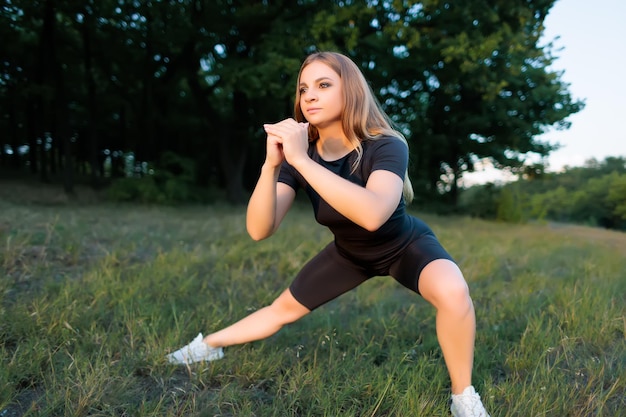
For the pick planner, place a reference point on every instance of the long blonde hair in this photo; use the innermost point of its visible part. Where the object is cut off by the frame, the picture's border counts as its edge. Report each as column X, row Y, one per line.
column 363, row 118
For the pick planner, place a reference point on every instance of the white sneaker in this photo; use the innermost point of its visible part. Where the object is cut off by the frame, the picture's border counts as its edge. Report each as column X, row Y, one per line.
column 196, row 351
column 468, row 404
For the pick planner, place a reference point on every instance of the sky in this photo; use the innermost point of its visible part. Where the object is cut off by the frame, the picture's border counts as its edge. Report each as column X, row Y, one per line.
column 590, row 46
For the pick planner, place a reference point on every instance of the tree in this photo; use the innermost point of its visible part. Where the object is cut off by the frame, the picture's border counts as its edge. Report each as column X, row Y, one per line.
column 467, row 80
column 490, row 91
column 594, row 194
column 463, row 81
column 254, row 55
column 617, row 196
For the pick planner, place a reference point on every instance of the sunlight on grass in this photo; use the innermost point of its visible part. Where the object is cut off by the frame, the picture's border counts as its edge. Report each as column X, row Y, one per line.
column 93, row 297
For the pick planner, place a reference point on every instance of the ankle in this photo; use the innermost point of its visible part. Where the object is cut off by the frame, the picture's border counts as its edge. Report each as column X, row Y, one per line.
column 460, row 389
column 212, row 345
column 468, row 390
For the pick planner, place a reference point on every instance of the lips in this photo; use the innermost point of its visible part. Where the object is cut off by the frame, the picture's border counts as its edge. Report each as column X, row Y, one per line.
column 313, row 110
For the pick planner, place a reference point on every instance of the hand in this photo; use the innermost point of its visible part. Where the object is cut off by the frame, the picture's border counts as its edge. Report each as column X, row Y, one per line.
column 292, row 136
column 274, row 155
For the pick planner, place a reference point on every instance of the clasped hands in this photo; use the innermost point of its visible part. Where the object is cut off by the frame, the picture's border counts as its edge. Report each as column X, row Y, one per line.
column 287, row 140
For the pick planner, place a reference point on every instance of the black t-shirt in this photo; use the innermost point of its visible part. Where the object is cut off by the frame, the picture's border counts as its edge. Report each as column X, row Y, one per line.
column 353, row 241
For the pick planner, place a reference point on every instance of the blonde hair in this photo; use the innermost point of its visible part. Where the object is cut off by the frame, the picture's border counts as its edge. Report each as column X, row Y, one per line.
column 363, row 118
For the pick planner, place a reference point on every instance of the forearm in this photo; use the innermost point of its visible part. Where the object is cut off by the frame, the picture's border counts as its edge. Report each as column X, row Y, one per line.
column 261, row 212
column 361, row 205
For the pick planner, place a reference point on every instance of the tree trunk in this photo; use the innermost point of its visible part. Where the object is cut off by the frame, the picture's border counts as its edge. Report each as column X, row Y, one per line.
column 14, row 132
column 91, row 132
column 63, row 133
column 43, row 79
column 233, row 150
column 147, row 148
column 232, row 161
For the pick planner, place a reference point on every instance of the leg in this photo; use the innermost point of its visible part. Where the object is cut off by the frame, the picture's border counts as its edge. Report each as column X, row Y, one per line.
column 260, row 324
column 441, row 283
column 325, row 277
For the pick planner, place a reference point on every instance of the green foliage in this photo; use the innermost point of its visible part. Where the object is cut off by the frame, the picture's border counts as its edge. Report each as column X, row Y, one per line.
column 481, row 202
column 463, row 80
column 590, row 202
column 143, row 190
column 617, row 196
column 594, row 194
column 171, row 181
column 546, row 205
column 595, row 201
column 93, row 297
column 486, row 83
column 510, row 206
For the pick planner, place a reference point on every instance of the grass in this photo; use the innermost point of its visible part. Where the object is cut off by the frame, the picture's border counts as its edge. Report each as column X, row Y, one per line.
column 93, row 296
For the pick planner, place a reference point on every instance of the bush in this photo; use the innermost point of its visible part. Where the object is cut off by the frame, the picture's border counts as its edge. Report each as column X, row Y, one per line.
column 480, row 201
column 171, row 181
column 511, row 206
column 140, row 190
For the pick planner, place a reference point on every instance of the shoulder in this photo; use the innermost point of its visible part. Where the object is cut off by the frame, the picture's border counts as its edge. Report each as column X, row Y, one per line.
column 387, row 153
column 385, row 144
column 384, row 141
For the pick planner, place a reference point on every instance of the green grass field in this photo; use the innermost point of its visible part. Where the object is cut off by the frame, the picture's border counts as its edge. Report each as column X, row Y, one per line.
column 94, row 296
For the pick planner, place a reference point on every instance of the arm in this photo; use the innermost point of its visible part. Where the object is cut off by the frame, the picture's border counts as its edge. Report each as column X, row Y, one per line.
column 270, row 199
column 369, row 207
column 268, row 204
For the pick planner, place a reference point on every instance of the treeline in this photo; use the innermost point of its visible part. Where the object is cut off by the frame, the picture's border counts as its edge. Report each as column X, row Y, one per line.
column 175, row 91
column 594, row 194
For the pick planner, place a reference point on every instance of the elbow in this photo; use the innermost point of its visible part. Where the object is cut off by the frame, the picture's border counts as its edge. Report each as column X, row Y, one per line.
column 372, row 228
column 373, row 225
column 374, row 221
column 254, row 236
column 258, row 235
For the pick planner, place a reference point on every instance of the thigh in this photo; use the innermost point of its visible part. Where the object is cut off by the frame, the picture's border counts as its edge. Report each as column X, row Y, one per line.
column 325, row 277
column 423, row 250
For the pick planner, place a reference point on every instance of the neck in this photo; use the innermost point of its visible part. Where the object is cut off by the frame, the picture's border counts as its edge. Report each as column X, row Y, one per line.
column 333, row 148
column 332, row 143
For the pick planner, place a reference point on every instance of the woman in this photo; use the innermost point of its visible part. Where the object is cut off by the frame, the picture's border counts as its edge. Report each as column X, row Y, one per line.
column 342, row 151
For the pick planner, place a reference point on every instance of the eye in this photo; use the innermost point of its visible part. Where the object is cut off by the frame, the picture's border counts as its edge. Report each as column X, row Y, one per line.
column 324, row 85
column 302, row 90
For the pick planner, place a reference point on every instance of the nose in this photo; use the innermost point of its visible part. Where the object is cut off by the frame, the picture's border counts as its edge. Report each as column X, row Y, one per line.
column 309, row 96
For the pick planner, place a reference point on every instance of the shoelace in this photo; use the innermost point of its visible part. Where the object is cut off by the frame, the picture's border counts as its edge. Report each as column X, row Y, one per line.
column 470, row 403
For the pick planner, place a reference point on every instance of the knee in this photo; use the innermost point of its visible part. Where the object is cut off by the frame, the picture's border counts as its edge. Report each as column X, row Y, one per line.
column 287, row 309
column 458, row 298
column 453, row 297
column 444, row 287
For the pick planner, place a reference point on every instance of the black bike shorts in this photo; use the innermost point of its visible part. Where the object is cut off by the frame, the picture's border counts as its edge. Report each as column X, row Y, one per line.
column 330, row 274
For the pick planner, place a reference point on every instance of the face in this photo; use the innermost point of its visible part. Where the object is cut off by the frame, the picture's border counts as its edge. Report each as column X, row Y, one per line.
column 321, row 98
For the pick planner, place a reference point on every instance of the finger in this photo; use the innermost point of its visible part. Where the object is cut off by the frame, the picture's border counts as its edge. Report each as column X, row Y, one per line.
column 281, row 131
column 287, row 123
column 274, row 140
column 286, row 126
column 284, row 122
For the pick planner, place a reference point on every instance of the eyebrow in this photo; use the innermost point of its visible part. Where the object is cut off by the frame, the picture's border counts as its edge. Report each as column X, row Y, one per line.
column 319, row 79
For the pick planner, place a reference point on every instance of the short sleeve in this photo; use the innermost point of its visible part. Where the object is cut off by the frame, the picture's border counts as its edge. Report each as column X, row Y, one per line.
column 288, row 175
column 388, row 154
